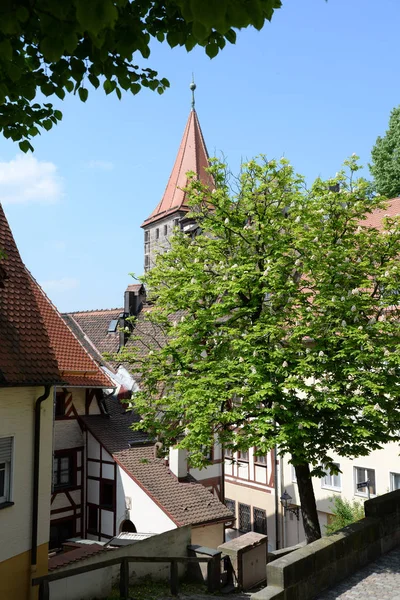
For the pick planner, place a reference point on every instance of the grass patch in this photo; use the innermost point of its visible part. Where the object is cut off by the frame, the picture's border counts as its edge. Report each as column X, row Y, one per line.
column 148, row 589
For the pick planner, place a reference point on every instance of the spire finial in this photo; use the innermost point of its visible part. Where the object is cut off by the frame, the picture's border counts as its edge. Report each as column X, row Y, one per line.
column 192, row 87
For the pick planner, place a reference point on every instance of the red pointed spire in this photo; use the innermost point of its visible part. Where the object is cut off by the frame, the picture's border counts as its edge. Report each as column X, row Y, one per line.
column 192, row 156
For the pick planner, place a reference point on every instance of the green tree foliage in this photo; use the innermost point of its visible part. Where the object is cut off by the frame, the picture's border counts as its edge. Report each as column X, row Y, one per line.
column 60, row 46
column 385, row 154
column 344, row 513
column 277, row 324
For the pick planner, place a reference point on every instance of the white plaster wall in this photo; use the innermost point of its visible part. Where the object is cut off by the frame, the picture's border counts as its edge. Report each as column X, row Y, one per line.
column 383, row 461
column 207, row 472
column 107, row 471
column 93, row 491
column 17, row 419
column 93, row 447
column 93, row 469
column 145, row 514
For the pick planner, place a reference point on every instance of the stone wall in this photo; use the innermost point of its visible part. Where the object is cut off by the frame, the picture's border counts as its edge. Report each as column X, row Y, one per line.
column 306, row 572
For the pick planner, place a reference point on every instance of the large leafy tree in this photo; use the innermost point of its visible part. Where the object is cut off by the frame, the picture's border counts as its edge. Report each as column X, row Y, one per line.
column 60, row 46
column 280, row 323
column 385, row 154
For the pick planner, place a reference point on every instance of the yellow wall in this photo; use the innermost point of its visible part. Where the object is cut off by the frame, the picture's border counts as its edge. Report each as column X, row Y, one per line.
column 15, row 575
column 17, row 420
column 210, row 536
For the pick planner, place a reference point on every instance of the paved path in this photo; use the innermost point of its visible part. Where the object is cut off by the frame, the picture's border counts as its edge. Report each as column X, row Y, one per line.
column 379, row 580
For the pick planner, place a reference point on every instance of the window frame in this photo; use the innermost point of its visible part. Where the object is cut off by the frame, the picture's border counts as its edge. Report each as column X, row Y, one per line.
column 240, row 512
column 241, row 458
column 264, row 457
column 58, row 456
column 157, row 234
column 331, row 486
column 358, row 492
column 262, row 515
column 231, row 505
column 103, row 505
column 6, row 499
column 391, row 474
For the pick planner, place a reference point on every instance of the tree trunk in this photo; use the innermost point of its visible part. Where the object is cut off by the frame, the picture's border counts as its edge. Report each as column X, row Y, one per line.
column 307, row 501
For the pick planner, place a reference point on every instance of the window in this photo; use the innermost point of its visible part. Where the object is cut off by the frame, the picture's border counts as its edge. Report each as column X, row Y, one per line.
column 230, row 505
column 112, row 326
column 260, row 459
column 207, row 452
column 147, row 236
column 332, row 481
column 243, row 455
column 165, row 229
column 294, row 477
column 157, row 233
column 228, row 453
column 244, row 517
column 147, row 261
column 394, row 481
column 6, row 450
column 107, row 494
column 63, row 470
column 60, row 404
column 176, row 222
column 362, row 475
column 93, row 524
column 260, row 520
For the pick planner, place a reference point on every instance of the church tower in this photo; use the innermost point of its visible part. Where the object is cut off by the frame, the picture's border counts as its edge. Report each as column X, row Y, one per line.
column 192, row 156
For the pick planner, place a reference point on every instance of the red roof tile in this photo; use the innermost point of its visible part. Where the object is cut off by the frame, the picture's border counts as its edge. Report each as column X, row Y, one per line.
column 95, row 323
column 36, row 346
column 26, row 352
column 185, row 503
column 192, row 156
column 77, row 367
column 78, row 553
column 376, row 217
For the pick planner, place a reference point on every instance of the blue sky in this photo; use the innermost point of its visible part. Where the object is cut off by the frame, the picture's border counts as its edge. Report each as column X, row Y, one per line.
column 316, row 85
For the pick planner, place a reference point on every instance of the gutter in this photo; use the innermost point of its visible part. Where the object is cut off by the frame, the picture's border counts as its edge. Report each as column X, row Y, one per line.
column 36, row 463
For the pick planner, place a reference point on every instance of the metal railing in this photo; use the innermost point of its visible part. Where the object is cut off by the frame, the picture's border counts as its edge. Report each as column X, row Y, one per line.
column 213, row 572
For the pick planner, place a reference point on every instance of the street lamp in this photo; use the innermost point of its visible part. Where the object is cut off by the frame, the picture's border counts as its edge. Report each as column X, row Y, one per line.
column 285, row 501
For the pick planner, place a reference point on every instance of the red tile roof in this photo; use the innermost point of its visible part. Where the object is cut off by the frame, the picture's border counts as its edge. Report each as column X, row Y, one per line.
column 26, row 354
column 36, row 346
column 185, row 503
column 376, row 217
column 95, row 323
column 77, row 367
column 192, row 156
column 78, row 553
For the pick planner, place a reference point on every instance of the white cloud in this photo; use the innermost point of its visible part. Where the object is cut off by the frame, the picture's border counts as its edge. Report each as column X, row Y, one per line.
column 60, row 285
column 103, row 165
column 27, row 180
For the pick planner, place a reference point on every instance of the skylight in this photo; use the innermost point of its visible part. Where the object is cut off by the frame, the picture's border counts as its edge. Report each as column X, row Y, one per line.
column 112, row 326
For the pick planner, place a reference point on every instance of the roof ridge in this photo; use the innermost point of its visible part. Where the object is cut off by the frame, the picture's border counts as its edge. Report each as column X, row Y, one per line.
column 92, row 310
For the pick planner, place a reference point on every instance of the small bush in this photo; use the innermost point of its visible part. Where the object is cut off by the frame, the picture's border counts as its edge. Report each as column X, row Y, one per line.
column 344, row 513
